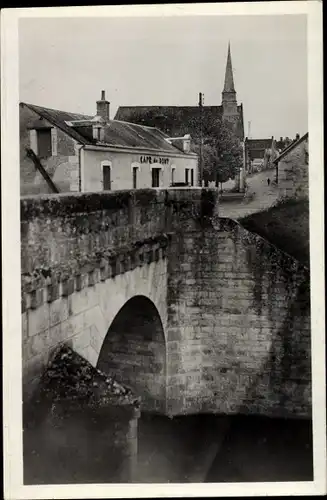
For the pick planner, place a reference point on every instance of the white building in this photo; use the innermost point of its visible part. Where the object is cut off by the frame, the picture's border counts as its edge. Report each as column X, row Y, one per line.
column 84, row 153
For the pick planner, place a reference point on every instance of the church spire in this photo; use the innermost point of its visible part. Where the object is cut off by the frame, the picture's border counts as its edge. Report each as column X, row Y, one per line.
column 229, row 80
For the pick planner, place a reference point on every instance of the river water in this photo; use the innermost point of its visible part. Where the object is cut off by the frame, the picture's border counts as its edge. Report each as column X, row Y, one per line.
column 195, row 448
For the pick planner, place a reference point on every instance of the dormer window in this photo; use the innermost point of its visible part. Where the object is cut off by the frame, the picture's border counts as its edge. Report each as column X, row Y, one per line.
column 98, row 133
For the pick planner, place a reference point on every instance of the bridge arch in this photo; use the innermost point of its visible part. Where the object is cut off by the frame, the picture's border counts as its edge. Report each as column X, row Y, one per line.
column 134, row 351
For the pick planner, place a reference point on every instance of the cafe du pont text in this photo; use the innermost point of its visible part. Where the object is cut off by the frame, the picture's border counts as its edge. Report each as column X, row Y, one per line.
column 153, row 159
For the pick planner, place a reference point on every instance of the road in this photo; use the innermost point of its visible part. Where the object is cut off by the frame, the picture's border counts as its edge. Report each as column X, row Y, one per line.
column 259, row 197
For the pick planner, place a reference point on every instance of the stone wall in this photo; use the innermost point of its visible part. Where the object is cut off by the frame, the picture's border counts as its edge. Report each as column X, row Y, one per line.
column 235, row 310
column 62, row 166
column 84, row 256
column 293, row 172
column 238, row 325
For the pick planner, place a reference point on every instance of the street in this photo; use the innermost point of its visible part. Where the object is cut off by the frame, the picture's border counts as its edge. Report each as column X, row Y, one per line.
column 259, row 197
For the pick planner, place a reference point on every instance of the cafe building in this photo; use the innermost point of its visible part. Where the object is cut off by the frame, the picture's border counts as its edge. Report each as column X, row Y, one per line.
column 85, row 153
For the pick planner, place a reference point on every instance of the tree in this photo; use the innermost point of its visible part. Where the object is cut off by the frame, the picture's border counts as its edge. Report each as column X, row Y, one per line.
column 221, row 151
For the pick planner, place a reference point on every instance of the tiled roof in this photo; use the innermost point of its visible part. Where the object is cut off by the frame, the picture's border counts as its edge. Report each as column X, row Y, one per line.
column 290, row 147
column 116, row 134
column 59, row 118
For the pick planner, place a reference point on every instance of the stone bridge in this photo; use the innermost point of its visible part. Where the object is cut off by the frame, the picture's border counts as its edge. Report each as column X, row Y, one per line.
column 191, row 311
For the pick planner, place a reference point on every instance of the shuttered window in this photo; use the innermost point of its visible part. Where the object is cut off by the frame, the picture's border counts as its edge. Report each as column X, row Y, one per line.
column 44, row 143
column 106, row 177
column 155, row 177
column 135, row 177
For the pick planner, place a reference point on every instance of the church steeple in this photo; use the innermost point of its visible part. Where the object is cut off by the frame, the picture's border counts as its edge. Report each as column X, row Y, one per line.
column 229, row 101
column 229, row 80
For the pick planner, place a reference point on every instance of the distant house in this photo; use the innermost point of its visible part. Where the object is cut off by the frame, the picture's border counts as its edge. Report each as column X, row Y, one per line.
column 259, row 153
column 85, row 153
column 180, row 120
column 292, row 169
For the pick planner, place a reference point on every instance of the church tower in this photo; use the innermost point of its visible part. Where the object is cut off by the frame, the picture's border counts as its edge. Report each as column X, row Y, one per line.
column 229, row 102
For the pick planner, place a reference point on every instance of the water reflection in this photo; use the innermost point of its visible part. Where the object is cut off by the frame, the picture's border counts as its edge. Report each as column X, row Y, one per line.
column 195, row 448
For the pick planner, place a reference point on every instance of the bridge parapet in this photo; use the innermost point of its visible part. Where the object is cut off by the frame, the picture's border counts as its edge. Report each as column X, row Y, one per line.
column 69, row 242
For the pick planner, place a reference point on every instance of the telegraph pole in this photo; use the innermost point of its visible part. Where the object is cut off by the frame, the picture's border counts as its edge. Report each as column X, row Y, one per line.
column 201, row 139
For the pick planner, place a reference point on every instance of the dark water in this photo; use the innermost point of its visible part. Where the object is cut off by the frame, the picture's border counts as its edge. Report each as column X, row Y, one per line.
column 262, row 449
column 199, row 448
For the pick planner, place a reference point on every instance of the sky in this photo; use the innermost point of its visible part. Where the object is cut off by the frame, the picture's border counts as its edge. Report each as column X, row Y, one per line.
column 64, row 64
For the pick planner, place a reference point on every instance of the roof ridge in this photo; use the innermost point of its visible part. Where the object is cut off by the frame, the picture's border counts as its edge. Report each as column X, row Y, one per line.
column 136, row 124
column 53, row 109
column 172, row 106
column 291, row 146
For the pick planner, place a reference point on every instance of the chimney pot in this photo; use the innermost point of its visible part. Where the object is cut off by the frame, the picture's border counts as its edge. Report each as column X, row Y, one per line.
column 103, row 107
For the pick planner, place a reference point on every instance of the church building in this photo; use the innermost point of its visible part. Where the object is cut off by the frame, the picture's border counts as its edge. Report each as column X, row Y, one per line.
column 180, row 120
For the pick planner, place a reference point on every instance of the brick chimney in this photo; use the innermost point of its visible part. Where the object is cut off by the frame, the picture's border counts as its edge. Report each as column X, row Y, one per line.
column 103, row 107
column 297, row 137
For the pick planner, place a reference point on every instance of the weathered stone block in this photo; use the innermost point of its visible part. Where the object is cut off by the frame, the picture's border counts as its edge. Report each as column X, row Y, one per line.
column 83, row 300
column 53, row 292
column 38, row 320
column 56, row 335
column 58, row 311
column 37, row 345
column 68, row 287
column 36, row 298
column 72, row 326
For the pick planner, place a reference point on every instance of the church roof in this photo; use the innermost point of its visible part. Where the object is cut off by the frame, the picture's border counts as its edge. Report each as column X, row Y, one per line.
column 229, row 79
column 173, row 120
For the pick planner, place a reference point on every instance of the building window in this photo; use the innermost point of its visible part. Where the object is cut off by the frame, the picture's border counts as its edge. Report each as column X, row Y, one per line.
column 189, row 176
column 155, row 177
column 135, row 169
column 192, row 177
column 186, row 176
column 44, row 143
column 106, row 176
column 172, row 175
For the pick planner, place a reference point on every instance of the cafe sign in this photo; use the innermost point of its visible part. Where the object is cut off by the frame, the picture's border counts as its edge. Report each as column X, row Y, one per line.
column 154, row 159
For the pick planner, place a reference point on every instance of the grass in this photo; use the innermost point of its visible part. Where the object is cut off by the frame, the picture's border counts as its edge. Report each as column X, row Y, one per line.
column 285, row 225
